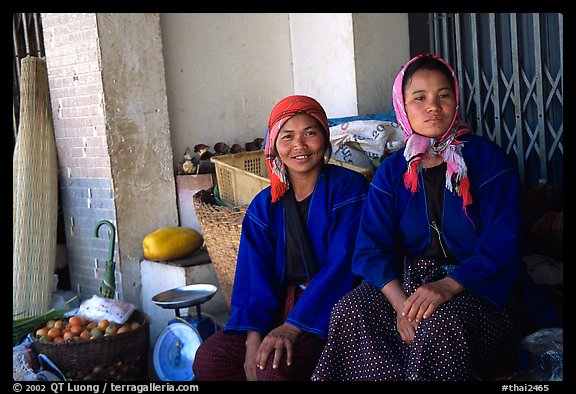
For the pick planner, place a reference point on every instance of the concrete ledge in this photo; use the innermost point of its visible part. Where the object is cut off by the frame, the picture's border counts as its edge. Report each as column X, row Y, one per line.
column 199, row 257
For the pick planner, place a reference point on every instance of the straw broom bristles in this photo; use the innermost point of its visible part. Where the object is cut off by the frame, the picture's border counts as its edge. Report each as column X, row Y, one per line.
column 35, row 195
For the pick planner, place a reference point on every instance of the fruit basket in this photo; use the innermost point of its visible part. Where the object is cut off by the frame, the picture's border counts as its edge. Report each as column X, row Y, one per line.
column 123, row 356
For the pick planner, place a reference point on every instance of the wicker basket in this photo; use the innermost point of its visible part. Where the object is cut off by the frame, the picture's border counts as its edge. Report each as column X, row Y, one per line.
column 115, row 357
column 221, row 227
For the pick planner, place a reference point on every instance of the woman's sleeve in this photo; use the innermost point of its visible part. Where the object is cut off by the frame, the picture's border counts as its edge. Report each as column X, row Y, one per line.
column 254, row 301
column 375, row 257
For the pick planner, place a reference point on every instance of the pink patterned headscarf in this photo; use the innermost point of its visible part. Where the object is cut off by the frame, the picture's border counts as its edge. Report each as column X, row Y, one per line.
column 447, row 145
column 282, row 111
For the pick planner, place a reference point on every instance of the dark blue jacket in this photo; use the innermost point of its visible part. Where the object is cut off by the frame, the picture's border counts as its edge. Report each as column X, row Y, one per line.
column 487, row 243
column 260, row 279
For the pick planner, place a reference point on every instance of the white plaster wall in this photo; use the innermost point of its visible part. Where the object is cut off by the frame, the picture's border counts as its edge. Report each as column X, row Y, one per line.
column 224, row 72
column 381, row 45
column 323, row 58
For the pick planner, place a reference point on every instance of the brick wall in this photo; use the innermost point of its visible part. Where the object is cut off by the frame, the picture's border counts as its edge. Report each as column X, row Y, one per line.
column 76, row 89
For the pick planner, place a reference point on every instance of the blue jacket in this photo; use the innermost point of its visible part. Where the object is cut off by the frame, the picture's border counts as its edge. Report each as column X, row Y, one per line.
column 487, row 243
column 260, row 280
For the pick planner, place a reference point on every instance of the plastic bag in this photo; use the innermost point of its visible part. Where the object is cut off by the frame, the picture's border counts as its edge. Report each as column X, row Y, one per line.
column 98, row 308
column 27, row 367
column 24, row 363
column 545, row 348
column 365, row 141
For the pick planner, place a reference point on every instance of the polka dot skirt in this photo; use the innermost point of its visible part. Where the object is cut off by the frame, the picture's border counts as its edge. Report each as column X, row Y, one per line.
column 364, row 344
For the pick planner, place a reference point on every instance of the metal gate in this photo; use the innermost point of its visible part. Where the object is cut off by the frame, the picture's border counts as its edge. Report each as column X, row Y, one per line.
column 510, row 68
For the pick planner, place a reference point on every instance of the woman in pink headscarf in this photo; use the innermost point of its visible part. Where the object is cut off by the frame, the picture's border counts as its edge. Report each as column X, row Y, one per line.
column 438, row 248
column 294, row 259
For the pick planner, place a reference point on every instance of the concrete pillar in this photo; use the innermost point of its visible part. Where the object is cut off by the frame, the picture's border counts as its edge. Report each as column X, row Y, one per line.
column 138, row 134
column 323, row 60
column 348, row 61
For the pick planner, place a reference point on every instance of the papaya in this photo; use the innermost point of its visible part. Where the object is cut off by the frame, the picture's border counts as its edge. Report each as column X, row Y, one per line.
column 171, row 243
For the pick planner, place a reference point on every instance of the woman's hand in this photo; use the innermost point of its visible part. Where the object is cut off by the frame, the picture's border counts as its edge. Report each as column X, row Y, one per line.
column 406, row 328
column 396, row 297
column 427, row 298
column 253, row 341
column 280, row 339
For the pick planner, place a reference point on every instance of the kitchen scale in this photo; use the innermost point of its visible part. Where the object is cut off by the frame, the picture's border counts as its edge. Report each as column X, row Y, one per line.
column 176, row 346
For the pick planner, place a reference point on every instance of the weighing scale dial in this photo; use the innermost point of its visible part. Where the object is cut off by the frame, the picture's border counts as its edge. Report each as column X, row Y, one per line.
column 175, row 350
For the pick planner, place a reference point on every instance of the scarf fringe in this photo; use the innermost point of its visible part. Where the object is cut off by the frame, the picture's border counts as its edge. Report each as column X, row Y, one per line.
column 277, row 189
column 411, row 176
column 464, row 191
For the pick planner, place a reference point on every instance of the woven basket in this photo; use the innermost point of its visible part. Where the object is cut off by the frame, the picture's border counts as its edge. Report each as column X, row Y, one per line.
column 221, row 227
column 115, row 357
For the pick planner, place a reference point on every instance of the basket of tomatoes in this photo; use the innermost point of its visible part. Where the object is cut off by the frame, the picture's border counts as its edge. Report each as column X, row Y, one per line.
column 96, row 350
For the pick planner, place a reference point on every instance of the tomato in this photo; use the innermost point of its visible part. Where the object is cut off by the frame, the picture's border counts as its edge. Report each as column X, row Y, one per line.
column 103, row 324
column 96, row 333
column 124, row 328
column 85, row 334
column 42, row 332
column 53, row 333
column 76, row 329
column 111, row 330
column 75, row 321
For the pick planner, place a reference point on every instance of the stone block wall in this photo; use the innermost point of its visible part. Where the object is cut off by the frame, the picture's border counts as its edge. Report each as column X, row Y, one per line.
column 76, row 89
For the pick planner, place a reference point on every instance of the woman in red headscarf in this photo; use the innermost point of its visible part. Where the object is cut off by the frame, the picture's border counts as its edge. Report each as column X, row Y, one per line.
column 294, row 259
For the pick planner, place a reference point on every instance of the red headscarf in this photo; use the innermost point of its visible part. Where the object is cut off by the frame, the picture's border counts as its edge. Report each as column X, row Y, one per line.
column 282, row 111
